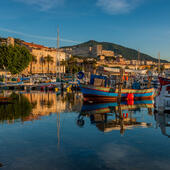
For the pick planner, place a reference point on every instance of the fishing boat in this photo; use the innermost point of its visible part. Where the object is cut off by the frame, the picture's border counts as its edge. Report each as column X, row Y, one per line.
column 100, row 92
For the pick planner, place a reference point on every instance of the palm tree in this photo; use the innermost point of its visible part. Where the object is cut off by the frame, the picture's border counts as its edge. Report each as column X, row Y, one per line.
column 33, row 60
column 72, row 62
column 42, row 61
column 63, row 63
column 49, row 59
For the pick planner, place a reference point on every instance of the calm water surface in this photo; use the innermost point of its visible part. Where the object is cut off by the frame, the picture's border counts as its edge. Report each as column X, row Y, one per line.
column 46, row 131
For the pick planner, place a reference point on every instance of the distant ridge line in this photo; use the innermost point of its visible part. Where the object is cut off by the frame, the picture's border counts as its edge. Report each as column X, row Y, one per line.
column 127, row 53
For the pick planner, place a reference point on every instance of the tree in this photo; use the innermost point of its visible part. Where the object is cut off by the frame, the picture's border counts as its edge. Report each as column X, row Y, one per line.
column 14, row 59
column 63, row 63
column 72, row 65
column 33, row 59
column 49, row 59
column 42, row 61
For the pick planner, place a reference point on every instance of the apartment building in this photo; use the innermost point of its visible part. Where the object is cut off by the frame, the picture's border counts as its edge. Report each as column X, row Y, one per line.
column 40, row 66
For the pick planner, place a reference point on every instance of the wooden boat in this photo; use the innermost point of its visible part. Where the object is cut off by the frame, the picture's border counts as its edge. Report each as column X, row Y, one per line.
column 99, row 94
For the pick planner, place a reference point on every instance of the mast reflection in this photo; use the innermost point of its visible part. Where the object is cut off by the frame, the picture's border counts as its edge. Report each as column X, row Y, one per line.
column 112, row 116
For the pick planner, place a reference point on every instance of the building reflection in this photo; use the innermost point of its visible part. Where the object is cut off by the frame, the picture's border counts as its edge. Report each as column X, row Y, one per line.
column 50, row 103
column 32, row 106
column 163, row 122
column 111, row 116
column 17, row 110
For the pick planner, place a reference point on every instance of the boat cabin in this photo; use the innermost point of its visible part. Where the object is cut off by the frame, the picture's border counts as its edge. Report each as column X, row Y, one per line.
column 98, row 80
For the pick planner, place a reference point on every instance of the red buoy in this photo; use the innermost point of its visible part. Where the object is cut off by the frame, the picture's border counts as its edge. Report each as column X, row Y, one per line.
column 130, row 102
column 130, row 96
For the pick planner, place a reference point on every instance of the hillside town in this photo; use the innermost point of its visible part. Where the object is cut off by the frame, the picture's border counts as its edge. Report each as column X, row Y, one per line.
column 53, row 61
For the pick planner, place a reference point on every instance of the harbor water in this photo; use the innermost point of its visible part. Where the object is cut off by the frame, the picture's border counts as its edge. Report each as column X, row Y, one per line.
column 52, row 131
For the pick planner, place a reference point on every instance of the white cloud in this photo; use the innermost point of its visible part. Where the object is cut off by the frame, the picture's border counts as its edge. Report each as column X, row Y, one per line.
column 118, row 6
column 43, row 5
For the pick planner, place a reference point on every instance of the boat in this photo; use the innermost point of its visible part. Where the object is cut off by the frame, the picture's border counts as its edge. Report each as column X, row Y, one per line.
column 162, row 100
column 101, row 93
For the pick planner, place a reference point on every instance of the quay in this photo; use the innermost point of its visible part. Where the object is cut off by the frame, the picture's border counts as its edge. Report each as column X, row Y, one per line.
column 57, row 86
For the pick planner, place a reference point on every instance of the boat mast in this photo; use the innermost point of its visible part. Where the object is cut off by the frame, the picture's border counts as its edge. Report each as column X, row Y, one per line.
column 159, row 63
column 58, row 54
column 138, row 58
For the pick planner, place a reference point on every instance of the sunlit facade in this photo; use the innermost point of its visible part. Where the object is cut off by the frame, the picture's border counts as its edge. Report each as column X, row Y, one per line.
column 40, row 52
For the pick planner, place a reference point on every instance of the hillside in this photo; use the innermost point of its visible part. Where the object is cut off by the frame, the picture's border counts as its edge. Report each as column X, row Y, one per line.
column 127, row 53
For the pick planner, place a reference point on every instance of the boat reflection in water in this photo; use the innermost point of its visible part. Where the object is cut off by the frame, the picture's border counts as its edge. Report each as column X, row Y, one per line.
column 163, row 122
column 111, row 116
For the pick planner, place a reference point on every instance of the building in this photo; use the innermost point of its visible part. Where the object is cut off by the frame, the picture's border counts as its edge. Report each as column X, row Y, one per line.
column 8, row 41
column 120, row 59
column 167, row 66
column 134, row 62
column 108, row 53
column 128, row 62
column 93, row 51
column 40, row 65
column 149, row 63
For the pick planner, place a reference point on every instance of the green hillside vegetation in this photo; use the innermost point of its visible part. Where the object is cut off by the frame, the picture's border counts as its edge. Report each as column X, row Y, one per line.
column 127, row 53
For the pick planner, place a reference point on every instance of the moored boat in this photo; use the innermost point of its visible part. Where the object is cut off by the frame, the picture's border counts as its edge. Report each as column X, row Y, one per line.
column 102, row 93
column 99, row 94
column 162, row 101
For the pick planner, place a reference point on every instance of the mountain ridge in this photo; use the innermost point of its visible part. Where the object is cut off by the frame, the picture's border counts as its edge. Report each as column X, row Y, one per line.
column 126, row 52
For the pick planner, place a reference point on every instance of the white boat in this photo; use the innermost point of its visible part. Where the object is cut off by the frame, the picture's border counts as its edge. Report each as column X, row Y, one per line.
column 162, row 101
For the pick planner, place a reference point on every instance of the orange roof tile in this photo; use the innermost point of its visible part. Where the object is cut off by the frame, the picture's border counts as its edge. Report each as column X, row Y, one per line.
column 34, row 45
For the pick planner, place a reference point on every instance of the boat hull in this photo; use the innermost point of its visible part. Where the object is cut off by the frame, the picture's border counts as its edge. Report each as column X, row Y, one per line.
column 104, row 94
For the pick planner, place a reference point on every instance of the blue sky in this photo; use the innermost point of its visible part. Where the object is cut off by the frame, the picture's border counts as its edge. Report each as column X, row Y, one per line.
column 137, row 24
